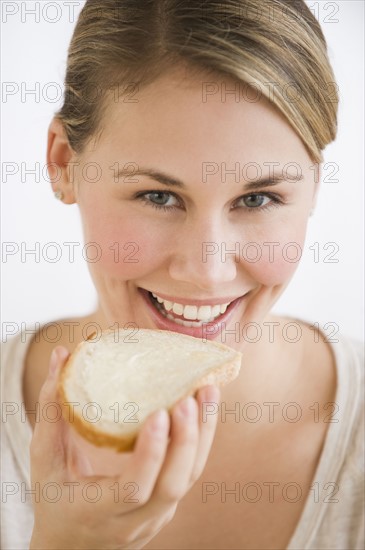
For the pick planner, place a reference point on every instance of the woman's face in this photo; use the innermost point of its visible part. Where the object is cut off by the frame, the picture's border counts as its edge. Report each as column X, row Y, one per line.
column 218, row 236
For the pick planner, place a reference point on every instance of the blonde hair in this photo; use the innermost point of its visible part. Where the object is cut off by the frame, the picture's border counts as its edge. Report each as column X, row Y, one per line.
column 276, row 47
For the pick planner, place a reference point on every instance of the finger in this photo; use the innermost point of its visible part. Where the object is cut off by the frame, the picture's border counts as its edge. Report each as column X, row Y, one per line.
column 149, row 453
column 146, row 526
column 175, row 475
column 134, row 487
column 156, row 514
column 47, row 447
column 208, row 399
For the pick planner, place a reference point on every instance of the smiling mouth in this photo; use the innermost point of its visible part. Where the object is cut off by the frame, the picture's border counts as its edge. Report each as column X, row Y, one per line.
column 189, row 316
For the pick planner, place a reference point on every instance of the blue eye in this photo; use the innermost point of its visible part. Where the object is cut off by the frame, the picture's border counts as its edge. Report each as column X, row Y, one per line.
column 258, row 202
column 253, row 202
column 261, row 201
column 159, row 196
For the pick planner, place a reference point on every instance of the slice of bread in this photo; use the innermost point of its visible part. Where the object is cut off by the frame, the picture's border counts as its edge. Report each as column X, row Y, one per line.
column 109, row 386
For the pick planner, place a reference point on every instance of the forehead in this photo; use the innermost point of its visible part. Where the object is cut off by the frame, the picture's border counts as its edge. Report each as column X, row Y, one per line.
column 197, row 118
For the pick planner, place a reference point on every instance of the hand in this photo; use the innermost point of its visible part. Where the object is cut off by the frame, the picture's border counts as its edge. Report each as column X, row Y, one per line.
column 162, row 470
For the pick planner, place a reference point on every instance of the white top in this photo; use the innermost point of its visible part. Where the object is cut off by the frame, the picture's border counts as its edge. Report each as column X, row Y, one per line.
column 333, row 516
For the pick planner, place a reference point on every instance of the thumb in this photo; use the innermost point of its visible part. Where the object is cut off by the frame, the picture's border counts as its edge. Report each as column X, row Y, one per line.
column 56, row 362
column 47, row 445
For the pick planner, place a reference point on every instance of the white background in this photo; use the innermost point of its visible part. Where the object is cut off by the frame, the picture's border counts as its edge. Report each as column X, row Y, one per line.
column 35, row 52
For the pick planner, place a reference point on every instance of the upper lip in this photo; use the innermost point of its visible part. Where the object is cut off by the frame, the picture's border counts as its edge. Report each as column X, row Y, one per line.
column 191, row 301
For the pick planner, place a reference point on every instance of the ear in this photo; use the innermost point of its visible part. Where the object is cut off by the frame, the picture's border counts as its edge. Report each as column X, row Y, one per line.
column 59, row 157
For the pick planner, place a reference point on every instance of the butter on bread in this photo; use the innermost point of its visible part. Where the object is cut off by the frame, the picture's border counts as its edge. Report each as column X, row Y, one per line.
column 110, row 385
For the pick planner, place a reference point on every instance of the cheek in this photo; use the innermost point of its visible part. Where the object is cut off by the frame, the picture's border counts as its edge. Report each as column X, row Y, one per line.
column 127, row 248
column 272, row 261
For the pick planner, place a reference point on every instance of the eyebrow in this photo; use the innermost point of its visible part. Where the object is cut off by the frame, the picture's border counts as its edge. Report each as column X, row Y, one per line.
column 166, row 179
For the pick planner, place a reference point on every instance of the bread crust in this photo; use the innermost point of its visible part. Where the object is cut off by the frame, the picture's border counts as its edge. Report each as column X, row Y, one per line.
column 219, row 376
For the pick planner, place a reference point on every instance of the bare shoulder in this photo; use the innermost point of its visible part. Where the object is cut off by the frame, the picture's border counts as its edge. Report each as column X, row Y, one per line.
column 62, row 332
column 37, row 359
column 295, row 334
column 307, row 344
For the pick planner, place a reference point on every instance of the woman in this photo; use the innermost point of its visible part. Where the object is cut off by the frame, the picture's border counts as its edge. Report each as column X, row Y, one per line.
column 198, row 196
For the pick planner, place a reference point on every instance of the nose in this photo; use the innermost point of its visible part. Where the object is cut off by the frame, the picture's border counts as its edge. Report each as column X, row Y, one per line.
column 204, row 255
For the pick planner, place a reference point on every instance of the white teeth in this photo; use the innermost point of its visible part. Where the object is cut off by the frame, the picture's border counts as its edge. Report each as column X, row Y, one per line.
column 206, row 312
column 178, row 309
column 183, row 323
column 178, row 321
column 216, row 310
column 191, row 312
column 192, row 324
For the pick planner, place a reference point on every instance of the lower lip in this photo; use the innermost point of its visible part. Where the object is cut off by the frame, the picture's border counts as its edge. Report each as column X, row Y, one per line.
column 209, row 330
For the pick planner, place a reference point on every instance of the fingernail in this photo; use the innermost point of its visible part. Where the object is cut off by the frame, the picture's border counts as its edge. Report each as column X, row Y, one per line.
column 53, row 363
column 212, row 393
column 187, row 407
column 159, row 421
